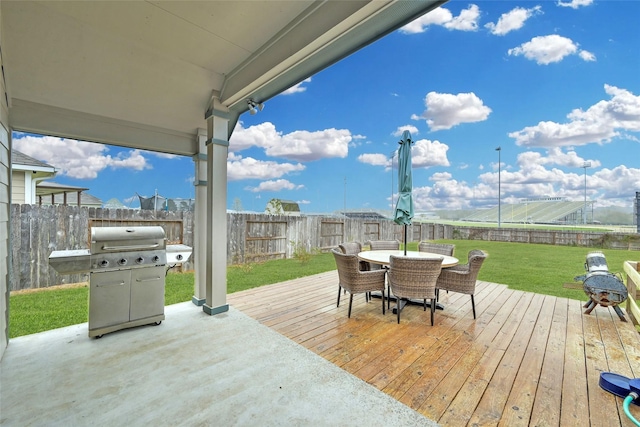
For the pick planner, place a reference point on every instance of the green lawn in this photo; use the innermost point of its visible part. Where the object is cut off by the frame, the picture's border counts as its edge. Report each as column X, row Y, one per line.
column 536, row 268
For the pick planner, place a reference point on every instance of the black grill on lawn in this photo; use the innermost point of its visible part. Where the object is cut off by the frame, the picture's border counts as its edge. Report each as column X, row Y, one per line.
column 601, row 286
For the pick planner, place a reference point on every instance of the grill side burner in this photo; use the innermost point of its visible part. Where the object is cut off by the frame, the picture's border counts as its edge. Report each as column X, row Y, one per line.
column 602, row 287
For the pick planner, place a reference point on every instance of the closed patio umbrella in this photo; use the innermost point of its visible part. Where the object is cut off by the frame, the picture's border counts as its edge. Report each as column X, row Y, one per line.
column 404, row 207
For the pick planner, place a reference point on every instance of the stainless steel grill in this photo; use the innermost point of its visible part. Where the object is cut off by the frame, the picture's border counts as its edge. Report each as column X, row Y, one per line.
column 127, row 267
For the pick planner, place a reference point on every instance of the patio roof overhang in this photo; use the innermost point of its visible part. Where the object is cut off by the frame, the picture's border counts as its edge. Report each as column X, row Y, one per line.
column 165, row 75
column 142, row 74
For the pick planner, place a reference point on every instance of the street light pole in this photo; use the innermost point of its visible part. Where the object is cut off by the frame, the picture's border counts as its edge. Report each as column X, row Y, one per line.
column 585, row 166
column 499, row 149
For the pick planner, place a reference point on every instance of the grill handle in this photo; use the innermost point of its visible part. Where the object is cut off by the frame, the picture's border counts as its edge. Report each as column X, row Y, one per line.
column 148, row 279
column 130, row 247
column 102, row 285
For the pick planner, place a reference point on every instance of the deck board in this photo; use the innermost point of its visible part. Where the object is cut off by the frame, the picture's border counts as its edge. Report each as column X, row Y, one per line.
column 528, row 359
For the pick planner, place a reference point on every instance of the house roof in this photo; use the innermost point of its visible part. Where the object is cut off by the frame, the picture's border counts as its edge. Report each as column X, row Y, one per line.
column 287, row 205
column 65, row 194
column 49, row 187
column 364, row 214
column 20, row 161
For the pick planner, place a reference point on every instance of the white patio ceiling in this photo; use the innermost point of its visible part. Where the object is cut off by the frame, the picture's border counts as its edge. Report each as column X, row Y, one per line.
column 142, row 73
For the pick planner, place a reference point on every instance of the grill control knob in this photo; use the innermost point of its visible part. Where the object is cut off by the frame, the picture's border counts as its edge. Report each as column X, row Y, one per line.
column 179, row 257
column 155, row 258
column 104, row 263
column 139, row 260
column 122, row 261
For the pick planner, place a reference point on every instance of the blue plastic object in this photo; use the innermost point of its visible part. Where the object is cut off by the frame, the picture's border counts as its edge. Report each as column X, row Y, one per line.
column 620, row 385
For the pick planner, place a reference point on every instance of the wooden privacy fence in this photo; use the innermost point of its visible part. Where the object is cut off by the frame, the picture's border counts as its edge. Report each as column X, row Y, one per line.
column 38, row 230
column 633, row 284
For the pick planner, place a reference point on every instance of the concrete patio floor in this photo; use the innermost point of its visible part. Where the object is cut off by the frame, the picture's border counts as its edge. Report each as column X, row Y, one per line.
column 193, row 369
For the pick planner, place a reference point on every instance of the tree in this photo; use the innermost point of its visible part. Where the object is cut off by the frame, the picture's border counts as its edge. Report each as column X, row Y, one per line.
column 237, row 205
column 274, row 207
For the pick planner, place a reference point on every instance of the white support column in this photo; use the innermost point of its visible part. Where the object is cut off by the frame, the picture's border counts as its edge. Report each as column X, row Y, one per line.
column 216, row 236
column 29, row 189
column 200, row 221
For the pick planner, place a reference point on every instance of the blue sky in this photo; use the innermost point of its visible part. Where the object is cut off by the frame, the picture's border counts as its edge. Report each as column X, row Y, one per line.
column 554, row 84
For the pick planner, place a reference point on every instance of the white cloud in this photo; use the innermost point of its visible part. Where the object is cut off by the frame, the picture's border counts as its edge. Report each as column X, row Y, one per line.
column 298, row 145
column 467, row 20
column 512, row 20
column 375, row 159
column 277, row 185
column 357, row 140
column 445, row 110
column 400, row 130
column 552, row 48
column 239, row 168
column 598, row 124
column 574, row 4
column 587, row 56
column 440, row 176
column 77, row 159
column 426, row 153
column 614, row 183
column 307, row 146
column 535, row 175
column 555, row 156
column 262, row 135
column 297, row 88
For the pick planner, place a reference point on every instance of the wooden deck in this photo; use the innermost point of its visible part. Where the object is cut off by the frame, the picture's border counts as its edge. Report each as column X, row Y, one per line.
column 528, row 359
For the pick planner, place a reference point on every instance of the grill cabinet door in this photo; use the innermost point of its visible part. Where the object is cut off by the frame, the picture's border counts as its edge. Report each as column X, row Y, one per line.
column 147, row 292
column 109, row 298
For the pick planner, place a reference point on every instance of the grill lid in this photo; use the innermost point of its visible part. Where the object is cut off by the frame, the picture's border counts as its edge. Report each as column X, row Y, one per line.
column 122, row 239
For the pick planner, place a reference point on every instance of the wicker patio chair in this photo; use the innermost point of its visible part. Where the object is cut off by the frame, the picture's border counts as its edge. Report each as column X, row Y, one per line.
column 462, row 278
column 355, row 281
column 436, row 248
column 354, row 248
column 380, row 245
column 414, row 278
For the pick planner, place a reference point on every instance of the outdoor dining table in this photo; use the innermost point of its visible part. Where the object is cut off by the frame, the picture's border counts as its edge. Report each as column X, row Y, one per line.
column 383, row 257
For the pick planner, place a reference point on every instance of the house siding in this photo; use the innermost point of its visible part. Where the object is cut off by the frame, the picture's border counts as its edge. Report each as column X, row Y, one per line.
column 18, row 188
column 5, row 191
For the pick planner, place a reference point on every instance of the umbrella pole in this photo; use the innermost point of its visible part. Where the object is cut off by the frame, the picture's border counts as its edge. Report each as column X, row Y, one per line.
column 405, row 240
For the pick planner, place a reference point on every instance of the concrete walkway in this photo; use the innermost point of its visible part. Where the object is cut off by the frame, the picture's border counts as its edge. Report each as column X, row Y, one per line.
column 192, row 370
